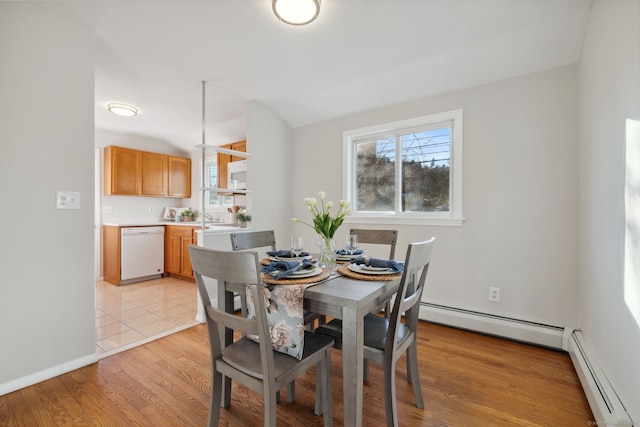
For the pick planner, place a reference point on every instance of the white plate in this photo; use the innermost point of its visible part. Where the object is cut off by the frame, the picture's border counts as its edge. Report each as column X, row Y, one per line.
column 358, row 269
column 307, row 272
column 369, row 268
column 347, row 257
column 276, row 258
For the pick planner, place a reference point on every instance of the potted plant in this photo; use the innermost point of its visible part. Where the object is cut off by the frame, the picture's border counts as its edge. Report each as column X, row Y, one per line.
column 243, row 219
column 188, row 215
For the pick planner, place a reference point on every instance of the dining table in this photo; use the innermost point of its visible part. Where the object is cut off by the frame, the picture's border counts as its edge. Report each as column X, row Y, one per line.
column 346, row 298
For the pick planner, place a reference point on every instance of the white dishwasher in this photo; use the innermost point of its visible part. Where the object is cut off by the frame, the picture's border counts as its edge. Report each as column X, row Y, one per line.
column 142, row 253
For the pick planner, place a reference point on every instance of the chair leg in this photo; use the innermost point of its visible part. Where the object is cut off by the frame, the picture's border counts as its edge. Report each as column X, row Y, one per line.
column 365, row 371
column 319, row 391
column 327, row 392
column 269, row 409
column 216, row 398
column 226, row 391
column 291, row 392
column 412, row 372
column 390, row 393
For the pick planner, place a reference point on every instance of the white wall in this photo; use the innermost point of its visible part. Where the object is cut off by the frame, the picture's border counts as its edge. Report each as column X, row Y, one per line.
column 520, row 195
column 271, row 174
column 47, row 299
column 609, row 95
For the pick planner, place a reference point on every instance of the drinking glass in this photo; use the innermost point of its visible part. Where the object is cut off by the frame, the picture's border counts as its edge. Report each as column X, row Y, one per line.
column 352, row 243
column 297, row 245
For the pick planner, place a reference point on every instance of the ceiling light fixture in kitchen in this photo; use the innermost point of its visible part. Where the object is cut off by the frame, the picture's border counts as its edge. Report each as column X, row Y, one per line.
column 123, row 110
column 296, row 12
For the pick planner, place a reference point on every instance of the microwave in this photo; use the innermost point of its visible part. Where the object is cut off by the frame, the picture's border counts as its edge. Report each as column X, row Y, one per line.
column 237, row 175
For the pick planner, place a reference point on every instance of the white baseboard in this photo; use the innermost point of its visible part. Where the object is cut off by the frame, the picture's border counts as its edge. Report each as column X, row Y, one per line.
column 518, row 330
column 604, row 402
column 46, row 374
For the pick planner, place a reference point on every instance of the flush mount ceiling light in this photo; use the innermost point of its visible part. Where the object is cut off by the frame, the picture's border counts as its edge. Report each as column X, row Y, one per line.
column 296, row 12
column 123, row 110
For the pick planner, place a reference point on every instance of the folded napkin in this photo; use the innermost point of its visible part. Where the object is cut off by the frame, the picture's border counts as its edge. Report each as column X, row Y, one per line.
column 281, row 269
column 346, row 252
column 381, row 263
column 286, row 253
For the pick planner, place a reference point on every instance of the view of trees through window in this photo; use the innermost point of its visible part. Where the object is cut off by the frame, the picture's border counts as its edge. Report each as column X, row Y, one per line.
column 425, row 171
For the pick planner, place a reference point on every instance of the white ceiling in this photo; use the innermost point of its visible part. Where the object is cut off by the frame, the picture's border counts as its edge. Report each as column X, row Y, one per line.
column 358, row 55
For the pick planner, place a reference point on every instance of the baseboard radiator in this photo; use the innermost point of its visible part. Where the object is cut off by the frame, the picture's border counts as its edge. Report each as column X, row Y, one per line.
column 505, row 327
column 604, row 402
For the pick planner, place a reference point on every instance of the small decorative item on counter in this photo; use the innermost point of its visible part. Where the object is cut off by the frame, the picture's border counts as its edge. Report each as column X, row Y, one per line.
column 188, row 215
column 243, row 219
column 233, row 210
column 170, row 213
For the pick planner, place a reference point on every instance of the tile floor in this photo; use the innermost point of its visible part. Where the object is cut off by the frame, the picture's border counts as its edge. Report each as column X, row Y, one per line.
column 133, row 314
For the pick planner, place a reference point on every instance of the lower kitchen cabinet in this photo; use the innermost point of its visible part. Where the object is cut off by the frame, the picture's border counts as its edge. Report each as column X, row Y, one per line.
column 111, row 254
column 177, row 241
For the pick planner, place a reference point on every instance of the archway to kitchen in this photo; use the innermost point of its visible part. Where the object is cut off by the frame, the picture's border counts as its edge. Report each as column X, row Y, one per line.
column 133, row 314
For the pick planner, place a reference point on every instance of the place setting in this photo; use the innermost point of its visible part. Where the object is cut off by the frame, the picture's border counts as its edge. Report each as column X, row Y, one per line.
column 350, row 251
column 292, row 267
column 366, row 268
column 294, row 253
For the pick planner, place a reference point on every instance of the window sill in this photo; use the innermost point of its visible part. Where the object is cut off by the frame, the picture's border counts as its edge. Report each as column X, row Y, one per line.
column 405, row 220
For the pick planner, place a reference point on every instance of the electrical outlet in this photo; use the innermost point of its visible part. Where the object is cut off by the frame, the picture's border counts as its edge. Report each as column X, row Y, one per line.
column 151, row 209
column 494, row 294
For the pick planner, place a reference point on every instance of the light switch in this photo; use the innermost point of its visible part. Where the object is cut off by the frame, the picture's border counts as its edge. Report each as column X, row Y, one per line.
column 67, row 200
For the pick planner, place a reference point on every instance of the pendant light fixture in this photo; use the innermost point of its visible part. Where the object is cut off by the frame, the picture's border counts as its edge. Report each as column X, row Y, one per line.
column 296, row 12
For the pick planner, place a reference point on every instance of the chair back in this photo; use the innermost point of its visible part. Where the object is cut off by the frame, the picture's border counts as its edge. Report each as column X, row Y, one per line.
column 378, row 237
column 232, row 268
column 253, row 240
column 409, row 293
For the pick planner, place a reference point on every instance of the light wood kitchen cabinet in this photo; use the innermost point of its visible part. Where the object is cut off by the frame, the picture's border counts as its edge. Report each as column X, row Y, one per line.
column 224, row 159
column 122, row 171
column 179, row 177
column 129, row 172
column 177, row 241
column 111, row 254
column 153, row 174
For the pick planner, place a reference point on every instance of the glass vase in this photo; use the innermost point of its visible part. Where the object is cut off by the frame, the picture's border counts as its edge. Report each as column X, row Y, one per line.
column 327, row 258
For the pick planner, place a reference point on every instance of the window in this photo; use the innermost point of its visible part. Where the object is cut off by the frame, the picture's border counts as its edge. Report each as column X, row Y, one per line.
column 212, row 199
column 409, row 170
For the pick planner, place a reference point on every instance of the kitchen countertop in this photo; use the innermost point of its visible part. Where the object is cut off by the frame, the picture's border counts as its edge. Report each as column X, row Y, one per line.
column 209, row 227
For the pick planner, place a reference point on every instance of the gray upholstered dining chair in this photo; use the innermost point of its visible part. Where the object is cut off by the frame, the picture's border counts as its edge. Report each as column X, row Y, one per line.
column 252, row 240
column 379, row 237
column 255, row 365
column 261, row 240
column 385, row 340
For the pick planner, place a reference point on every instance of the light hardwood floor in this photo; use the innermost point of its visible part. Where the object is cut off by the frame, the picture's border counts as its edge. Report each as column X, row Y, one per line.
column 467, row 379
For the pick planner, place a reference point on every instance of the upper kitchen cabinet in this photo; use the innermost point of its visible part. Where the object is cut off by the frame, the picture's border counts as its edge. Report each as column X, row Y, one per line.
column 224, row 159
column 129, row 172
column 179, row 177
column 154, row 174
column 122, row 171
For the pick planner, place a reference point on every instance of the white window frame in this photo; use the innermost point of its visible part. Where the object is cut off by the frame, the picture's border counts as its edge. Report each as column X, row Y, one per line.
column 452, row 218
column 219, row 207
